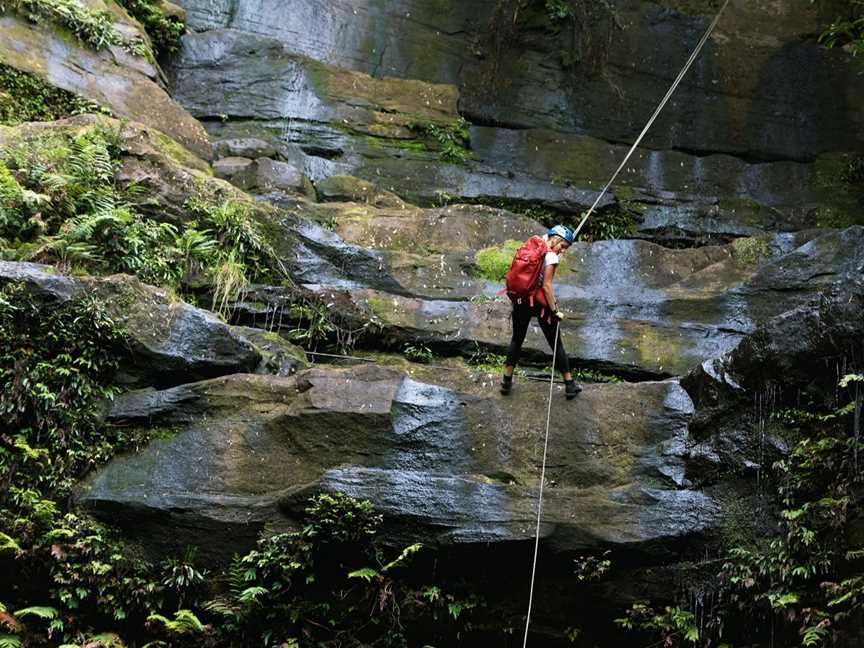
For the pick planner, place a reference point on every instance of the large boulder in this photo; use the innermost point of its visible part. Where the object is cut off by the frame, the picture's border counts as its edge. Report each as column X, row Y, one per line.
column 128, row 85
column 168, row 340
column 446, row 468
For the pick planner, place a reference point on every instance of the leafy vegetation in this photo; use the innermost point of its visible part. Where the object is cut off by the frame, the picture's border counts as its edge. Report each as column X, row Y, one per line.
column 418, row 353
column 93, row 28
column 60, row 203
column 165, row 31
column 805, row 585
column 67, row 578
column 50, row 407
column 809, row 580
column 453, row 141
column 847, row 30
column 24, row 97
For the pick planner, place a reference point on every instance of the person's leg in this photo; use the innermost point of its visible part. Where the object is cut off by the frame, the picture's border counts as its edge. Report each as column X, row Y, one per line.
column 519, row 318
column 562, row 361
column 550, row 330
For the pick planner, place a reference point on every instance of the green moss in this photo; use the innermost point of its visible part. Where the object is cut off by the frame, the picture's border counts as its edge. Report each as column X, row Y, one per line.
column 179, row 153
column 25, row 97
column 451, row 141
column 653, row 349
column 837, row 218
column 492, row 263
column 751, row 251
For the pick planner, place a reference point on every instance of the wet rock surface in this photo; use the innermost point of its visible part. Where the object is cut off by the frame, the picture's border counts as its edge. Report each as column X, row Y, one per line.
column 632, row 306
column 739, row 182
column 446, row 467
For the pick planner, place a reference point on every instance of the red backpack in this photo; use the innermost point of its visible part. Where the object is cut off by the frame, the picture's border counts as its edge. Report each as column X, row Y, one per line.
column 523, row 277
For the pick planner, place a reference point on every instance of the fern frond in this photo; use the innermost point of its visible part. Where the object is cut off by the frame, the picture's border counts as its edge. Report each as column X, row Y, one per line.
column 10, row 641
column 43, row 612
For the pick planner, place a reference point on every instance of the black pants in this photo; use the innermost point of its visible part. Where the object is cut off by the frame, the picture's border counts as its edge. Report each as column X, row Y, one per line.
column 521, row 318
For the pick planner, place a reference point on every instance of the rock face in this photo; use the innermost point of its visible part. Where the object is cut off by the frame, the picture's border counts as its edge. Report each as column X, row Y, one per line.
column 447, row 467
column 799, row 353
column 731, row 102
column 633, row 306
column 765, row 161
column 126, row 84
column 169, row 341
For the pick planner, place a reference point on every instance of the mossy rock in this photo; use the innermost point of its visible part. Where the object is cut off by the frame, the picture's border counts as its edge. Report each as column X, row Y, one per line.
column 492, row 263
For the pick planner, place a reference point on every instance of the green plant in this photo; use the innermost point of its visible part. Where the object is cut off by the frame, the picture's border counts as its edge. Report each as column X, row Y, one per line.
column 453, row 140
column 615, row 222
column 313, row 323
column 591, row 568
column 165, row 31
column 91, row 27
column 184, row 623
column 808, row 578
column 848, row 30
column 279, row 585
column 25, row 97
column 418, row 353
column 559, row 9
column 671, row 626
column 486, row 360
column 60, row 202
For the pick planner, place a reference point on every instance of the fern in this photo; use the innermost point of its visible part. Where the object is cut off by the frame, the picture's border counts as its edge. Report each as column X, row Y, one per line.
column 7, row 543
column 366, row 573
column 10, row 641
column 252, row 594
column 184, row 622
column 42, row 612
column 403, row 557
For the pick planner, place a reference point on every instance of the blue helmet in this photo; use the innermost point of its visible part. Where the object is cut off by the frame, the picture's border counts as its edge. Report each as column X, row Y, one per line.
column 564, row 232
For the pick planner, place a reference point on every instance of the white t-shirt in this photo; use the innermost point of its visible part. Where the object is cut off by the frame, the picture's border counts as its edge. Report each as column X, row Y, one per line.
column 550, row 259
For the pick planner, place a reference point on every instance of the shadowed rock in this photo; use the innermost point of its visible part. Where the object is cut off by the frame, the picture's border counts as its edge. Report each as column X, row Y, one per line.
column 169, row 341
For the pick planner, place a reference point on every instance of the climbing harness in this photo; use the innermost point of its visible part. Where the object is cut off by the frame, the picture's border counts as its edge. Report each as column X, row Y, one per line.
column 651, row 121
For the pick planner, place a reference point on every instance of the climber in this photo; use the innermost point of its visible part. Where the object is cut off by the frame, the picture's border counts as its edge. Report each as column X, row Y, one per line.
column 529, row 286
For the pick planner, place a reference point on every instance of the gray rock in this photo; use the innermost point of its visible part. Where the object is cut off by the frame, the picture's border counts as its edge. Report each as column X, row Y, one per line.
column 169, row 341
column 230, row 167
column 330, row 122
column 246, row 147
column 445, row 467
column 350, row 189
column 271, row 174
column 632, row 306
column 128, row 85
column 752, row 106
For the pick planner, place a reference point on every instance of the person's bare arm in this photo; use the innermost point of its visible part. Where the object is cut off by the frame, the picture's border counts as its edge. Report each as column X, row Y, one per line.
column 548, row 275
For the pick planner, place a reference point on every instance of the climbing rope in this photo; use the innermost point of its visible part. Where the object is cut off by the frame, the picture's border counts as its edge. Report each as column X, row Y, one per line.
column 660, row 107
column 542, row 481
column 651, row 121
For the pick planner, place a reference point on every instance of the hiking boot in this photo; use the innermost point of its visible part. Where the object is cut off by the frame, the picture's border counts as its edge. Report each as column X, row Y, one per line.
column 506, row 384
column 571, row 388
